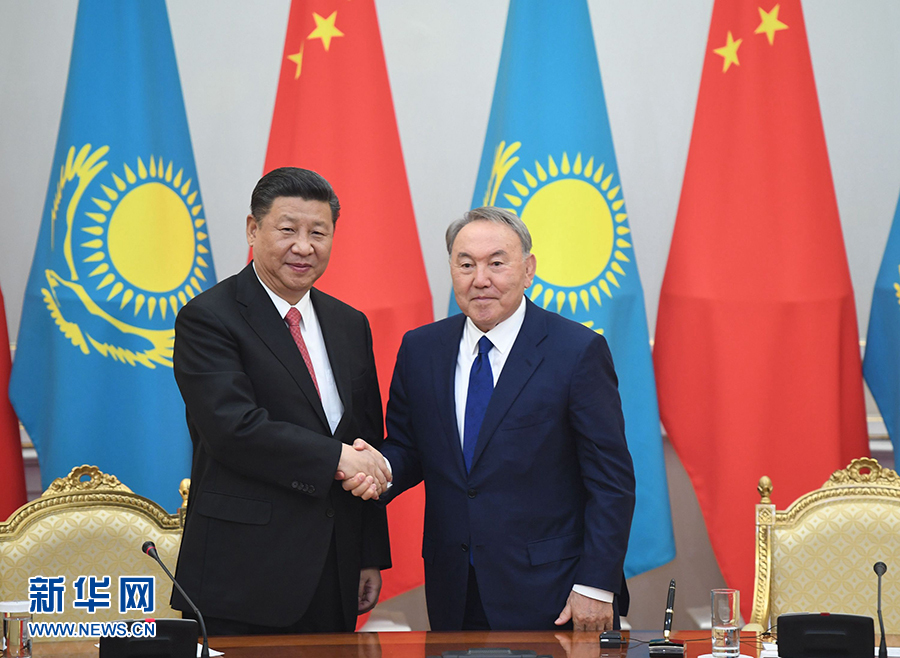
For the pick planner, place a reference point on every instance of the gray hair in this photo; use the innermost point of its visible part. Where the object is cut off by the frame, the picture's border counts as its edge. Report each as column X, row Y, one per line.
column 490, row 214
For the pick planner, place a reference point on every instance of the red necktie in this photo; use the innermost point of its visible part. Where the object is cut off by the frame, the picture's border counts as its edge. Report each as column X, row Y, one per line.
column 293, row 318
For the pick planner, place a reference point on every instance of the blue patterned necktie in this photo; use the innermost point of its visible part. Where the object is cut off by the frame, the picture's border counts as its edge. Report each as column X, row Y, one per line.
column 481, row 385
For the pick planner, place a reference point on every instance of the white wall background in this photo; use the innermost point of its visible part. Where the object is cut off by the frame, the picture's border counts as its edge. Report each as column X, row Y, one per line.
column 442, row 58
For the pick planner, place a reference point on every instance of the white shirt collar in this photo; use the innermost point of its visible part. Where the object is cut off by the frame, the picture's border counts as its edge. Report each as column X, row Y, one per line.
column 502, row 336
column 282, row 305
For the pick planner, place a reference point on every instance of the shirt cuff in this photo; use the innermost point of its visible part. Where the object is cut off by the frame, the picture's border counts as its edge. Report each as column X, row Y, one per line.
column 387, row 462
column 593, row 593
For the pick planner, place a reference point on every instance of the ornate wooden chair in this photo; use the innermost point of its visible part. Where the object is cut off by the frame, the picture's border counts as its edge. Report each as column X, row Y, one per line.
column 89, row 524
column 817, row 555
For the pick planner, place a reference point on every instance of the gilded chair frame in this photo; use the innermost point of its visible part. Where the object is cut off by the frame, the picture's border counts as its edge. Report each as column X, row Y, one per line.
column 46, row 530
column 74, row 491
column 864, row 481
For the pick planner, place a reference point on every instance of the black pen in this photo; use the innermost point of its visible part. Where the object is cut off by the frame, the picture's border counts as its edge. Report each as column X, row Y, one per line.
column 670, row 609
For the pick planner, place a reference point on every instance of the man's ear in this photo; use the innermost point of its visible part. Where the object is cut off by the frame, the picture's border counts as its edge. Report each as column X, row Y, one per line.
column 530, row 269
column 252, row 228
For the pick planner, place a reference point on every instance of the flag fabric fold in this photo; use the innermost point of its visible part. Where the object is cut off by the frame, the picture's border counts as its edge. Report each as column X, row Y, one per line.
column 334, row 114
column 757, row 352
column 12, row 467
column 881, row 365
column 549, row 157
column 123, row 244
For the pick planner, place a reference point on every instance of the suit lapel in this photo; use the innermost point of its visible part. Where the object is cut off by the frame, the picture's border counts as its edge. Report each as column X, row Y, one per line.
column 336, row 346
column 262, row 316
column 444, row 359
column 523, row 360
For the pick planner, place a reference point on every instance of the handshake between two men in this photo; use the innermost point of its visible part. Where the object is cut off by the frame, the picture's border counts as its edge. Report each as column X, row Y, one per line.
column 540, row 506
column 364, row 470
column 372, row 478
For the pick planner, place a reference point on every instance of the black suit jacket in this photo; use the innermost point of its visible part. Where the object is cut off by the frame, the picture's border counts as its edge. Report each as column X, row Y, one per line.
column 550, row 495
column 264, row 503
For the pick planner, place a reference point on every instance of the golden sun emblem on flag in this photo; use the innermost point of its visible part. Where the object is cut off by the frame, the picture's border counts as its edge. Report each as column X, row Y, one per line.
column 897, row 288
column 577, row 222
column 132, row 255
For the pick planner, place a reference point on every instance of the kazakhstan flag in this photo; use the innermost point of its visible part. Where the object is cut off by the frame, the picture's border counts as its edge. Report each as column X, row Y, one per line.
column 881, row 366
column 122, row 246
column 549, row 157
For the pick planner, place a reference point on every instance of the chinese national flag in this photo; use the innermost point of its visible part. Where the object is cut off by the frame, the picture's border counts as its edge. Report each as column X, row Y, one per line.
column 334, row 115
column 12, row 470
column 757, row 354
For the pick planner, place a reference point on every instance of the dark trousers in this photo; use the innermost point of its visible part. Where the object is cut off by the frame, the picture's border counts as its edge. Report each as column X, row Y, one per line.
column 324, row 614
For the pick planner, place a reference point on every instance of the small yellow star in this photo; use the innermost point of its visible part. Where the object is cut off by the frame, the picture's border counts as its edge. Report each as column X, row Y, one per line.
column 770, row 23
column 325, row 29
column 729, row 52
column 297, row 58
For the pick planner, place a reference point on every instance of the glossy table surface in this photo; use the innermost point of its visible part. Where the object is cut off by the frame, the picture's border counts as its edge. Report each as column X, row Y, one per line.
column 416, row 644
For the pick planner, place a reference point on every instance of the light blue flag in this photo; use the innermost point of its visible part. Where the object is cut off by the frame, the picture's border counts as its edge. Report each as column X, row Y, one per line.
column 881, row 366
column 549, row 157
column 122, row 246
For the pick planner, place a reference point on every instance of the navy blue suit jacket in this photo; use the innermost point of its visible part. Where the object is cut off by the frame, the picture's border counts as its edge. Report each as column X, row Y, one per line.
column 549, row 499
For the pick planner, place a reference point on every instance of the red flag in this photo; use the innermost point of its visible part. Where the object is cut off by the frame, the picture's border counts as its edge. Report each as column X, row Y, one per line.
column 757, row 353
column 12, row 469
column 334, row 114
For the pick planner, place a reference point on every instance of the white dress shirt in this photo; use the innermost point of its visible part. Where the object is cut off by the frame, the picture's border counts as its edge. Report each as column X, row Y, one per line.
column 503, row 336
column 315, row 345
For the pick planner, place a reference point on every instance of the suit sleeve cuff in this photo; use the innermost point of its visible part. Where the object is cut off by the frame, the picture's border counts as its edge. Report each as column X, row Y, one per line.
column 593, row 593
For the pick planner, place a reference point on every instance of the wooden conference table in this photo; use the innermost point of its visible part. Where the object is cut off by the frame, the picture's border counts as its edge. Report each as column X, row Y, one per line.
column 416, row 644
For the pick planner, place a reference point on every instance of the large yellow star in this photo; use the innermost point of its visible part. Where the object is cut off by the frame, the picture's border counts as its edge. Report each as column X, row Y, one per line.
column 325, row 29
column 770, row 23
column 297, row 58
column 729, row 52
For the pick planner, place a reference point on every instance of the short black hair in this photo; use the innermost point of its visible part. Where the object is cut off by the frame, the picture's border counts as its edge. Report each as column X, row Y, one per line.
column 292, row 181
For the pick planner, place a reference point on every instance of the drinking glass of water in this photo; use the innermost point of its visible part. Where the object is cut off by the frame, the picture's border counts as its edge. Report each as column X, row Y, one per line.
column 726, row 639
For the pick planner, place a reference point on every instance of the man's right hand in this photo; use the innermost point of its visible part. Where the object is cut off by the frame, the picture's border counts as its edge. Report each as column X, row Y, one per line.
column 363, row 470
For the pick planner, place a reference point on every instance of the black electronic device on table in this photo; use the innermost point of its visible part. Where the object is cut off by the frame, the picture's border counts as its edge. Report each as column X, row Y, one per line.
column 822, row 635
column 665, row 646
column 149, row 548
column 175, row 638
column 880, row 569
column 612, row 640
column 490, row 652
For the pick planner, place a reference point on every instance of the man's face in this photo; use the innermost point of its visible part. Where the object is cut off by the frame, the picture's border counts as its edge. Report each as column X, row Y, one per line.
column 489, row 272
column 291, row 245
